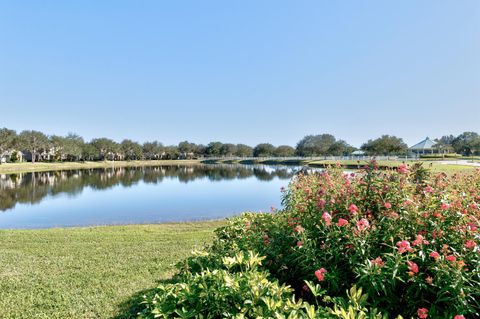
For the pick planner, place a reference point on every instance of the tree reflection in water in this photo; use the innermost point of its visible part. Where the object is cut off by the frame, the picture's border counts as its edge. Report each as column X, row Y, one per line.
column 33, row 187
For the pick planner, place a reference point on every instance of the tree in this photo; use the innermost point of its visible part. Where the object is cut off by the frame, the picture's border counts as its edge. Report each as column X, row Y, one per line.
column 315, row 145
column 153, row 150
column 7, row 140
column 131, row 150
column 172, row 152
column 228, row 149
column 243, row 150
column 34, row 142
column 214, row 149
column 73, row 146
column 264, row 150
column 340, row 148
column 284, row 151
column 385, row 145
column 467, row 143
column 187, row 149
column 104, row 147
column 444, row 143
column 89, row 152
column 58, row 143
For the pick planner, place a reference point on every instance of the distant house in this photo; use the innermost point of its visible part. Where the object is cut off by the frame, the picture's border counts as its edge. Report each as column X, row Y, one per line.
column 423, row 147
column 11, row 155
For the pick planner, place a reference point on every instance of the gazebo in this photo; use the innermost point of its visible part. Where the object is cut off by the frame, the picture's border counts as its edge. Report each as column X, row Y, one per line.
column 427, row 145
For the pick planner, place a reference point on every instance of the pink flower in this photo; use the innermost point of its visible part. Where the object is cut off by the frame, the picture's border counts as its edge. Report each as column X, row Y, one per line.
column 451, row 258
column 459, row 317
column 378, row 262
column 299, row 229
column 299, row 243
column 353, row 208
column 422, row 313
column 387, row 205
column 429, row 189
column 419, row 241
column 470, row 244
column 413, row 267
column 472, row 226
column 402, row 169
column 434, row 255
column 444, row 206
column 342, row 222
column 327, row 218
column 363, row 224
column 320, row 274
column 321, row 203
column 403, row 246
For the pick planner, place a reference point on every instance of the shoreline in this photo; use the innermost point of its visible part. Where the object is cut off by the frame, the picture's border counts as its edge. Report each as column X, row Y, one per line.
column 108, row 226
column 28, row 167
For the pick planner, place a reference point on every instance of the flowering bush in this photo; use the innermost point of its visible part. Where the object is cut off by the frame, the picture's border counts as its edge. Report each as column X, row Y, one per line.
column 408, row 239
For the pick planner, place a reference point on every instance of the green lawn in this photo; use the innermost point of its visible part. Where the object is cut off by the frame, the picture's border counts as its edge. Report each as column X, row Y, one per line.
column 93, row 272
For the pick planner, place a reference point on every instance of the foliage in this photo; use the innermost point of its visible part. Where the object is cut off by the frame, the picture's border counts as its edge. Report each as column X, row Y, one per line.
column 73, row 148
column 7, row 138
column 385, row 145
column 323, row 144
column 244, row 150
column 440, row 156
column 264, row 150
column 467, row 143
column 236, row 290
column 406, row 238
column 131, row 150
column 237, row 287
column 284, row 151
column 33, row 141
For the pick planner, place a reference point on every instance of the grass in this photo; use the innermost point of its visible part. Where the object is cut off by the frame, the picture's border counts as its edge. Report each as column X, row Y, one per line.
column 432, row 165
column 10, row 168
column 93, row 272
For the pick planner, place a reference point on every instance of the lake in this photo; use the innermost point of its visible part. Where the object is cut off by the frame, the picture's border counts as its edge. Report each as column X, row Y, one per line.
column 138, row 194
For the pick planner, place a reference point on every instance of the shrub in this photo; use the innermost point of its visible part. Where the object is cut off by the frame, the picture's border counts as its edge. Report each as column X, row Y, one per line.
column 409, row 240
column 237, row 290
column 440, row 156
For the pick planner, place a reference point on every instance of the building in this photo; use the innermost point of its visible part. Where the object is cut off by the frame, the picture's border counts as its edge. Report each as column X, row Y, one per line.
column 11, row 156
column 427, row 146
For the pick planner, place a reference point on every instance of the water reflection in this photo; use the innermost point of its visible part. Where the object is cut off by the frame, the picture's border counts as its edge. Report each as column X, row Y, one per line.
column 32, row 188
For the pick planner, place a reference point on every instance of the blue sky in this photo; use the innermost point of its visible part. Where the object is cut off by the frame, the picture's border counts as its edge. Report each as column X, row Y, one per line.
column 241, row 71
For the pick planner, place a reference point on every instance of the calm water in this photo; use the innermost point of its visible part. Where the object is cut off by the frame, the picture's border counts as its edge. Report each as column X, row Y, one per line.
column 138, row 195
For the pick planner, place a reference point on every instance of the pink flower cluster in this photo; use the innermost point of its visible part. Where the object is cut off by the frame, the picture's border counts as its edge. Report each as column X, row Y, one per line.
column 320, row 274
column 404, row 246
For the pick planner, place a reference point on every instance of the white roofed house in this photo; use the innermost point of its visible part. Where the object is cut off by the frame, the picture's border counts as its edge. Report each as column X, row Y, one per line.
column 427, row 146
column 11, row 156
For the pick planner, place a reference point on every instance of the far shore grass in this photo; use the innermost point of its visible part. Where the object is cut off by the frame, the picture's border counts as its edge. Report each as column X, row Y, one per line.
column 15, row 168
column 90, row 272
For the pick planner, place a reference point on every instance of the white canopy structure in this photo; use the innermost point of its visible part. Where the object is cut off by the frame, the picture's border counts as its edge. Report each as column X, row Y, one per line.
column 421, row 147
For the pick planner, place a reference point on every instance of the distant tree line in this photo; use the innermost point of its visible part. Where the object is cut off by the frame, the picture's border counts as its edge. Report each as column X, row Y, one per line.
column 36, row 146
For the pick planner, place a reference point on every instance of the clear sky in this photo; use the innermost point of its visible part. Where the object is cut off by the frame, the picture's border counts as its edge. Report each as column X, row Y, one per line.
column 244, row 71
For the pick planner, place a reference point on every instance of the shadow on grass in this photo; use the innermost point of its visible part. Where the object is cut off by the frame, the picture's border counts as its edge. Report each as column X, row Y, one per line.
column 130, row 308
